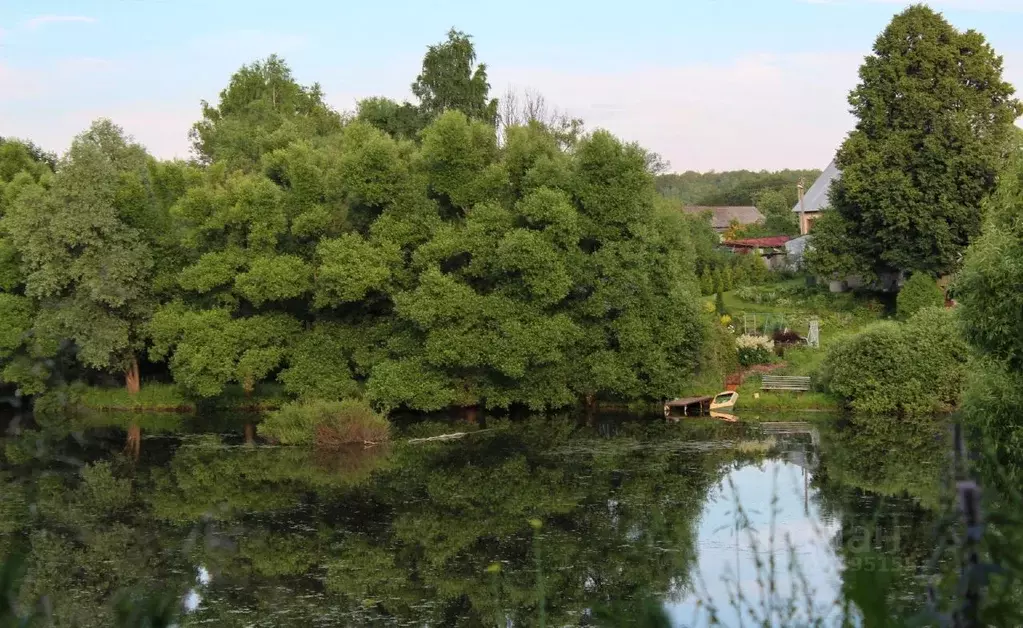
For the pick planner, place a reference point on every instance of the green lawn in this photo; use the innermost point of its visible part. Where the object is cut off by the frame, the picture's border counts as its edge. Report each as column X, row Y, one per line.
column 839, row 315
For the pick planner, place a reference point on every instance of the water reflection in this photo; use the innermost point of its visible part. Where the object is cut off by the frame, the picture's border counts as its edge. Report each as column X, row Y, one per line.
column 758, row 526
column 547, row 521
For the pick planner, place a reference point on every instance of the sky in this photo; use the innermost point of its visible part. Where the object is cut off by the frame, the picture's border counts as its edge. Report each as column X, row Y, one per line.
column 727, row 556
column 708, row 84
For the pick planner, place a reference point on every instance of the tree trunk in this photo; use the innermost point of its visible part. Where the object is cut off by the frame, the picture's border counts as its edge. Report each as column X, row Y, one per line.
column 250, row 434
column 470, row 413
column 590, row 406
column 133, row 446
column 131, row 377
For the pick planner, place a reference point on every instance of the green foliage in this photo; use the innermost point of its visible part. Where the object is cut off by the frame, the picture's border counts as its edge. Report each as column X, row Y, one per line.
column 262, row 109
column 403, row 121
column 735, row 188
column 988, row 286
column 910, row 368
column 919, row 291
column 920, row 162
column 326, row 423
column 449, row 81
column 409, row 254
column 991, row 315
column 210, row 348
column 85, row 253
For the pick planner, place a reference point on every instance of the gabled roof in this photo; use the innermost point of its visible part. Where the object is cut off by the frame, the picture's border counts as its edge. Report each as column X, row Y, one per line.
column 816, row 198
column 721, row 217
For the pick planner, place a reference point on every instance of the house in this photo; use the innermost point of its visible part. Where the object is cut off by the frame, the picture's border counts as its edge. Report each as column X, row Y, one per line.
column 772, row 249
column 722, row 217
column 815, row 200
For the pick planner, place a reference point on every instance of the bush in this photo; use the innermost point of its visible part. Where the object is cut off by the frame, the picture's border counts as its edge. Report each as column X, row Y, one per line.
column 754, row 349
column 919, row 291
column 326, row 423
column 910, row 368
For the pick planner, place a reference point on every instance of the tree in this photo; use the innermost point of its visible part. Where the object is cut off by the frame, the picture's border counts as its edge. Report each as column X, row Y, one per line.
column 779, row 219
column 990, row 307
column 532, row 108
column 86, row 253
column 735, row 187
column 451, row 80
column 934, row 117
column 262, row 109
column 23, row 167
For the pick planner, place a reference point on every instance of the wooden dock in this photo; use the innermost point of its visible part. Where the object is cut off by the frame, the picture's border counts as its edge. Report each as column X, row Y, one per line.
column 691, row 406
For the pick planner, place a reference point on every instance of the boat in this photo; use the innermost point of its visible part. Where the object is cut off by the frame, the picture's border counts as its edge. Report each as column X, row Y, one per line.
column 724, row 400
column 699, row 406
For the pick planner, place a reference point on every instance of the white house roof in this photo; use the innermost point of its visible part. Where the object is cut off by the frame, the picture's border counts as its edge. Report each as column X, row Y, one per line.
column 816, row 198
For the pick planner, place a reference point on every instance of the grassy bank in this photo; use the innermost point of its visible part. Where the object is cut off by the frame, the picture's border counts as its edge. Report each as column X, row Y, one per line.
column 158, row 397
column 790, row 304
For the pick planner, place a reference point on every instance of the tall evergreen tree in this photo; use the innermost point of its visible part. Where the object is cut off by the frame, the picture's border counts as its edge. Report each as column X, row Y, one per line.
column 934, row 116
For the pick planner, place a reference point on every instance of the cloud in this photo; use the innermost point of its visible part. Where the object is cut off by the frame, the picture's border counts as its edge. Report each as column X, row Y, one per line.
column 42, row 20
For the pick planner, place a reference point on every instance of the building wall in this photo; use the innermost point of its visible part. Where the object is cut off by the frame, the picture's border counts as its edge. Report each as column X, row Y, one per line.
column 806, row 221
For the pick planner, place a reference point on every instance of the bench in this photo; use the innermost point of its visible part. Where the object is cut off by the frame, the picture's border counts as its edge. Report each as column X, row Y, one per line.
column 784, row 382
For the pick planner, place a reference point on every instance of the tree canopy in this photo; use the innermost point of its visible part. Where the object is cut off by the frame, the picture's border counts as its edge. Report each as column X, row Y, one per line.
column 420, row 256
column 934, row 117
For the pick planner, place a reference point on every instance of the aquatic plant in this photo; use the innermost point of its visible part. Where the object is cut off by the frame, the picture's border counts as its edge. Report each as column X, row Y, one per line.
column 326, row 423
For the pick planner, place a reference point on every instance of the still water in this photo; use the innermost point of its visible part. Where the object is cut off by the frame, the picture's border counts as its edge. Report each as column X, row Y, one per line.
column 543, row 522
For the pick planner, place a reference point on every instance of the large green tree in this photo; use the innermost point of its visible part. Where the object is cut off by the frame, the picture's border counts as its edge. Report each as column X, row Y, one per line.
column 933, row 119
column 86, row 247
column 555, row 276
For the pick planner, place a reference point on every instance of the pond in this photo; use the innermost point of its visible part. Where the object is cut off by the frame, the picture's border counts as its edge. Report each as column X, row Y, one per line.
column 548, row 521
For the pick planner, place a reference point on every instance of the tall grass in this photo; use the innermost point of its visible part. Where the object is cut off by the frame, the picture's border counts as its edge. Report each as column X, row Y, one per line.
column 326, row 423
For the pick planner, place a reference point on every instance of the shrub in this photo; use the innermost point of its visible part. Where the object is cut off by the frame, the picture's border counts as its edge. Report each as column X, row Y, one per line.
column 919, row 291
column 754, row 349
column 910, row 368
column 326, row 423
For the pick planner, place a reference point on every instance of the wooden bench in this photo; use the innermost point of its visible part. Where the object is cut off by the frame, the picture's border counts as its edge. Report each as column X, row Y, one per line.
column 784, row 382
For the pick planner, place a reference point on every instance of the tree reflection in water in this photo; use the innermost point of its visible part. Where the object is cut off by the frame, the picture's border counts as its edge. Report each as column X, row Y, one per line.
column 545, row 521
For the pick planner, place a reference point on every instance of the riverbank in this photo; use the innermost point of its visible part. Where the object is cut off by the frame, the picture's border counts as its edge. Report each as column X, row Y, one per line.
column 158, row 397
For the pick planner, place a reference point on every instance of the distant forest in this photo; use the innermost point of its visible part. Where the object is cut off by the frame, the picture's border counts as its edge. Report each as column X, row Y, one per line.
column 736, row 187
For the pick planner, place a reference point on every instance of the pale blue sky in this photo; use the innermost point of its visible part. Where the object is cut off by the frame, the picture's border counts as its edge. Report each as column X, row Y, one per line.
column 710, row 84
